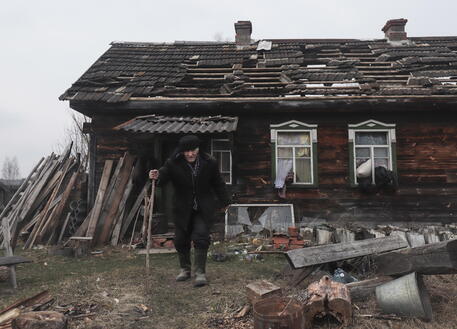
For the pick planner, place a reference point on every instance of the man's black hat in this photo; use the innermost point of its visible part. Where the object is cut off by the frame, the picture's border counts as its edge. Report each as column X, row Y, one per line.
column 188, row 142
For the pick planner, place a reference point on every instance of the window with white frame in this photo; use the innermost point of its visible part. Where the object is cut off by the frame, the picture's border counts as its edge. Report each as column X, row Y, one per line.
column 372, row 144
column 221, row 150
column 294, row 150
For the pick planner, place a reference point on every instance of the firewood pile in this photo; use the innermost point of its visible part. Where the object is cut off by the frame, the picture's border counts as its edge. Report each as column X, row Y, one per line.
column 40, row 213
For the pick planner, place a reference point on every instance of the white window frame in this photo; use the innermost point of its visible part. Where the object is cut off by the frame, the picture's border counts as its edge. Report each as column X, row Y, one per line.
column 275, row 128
column 389, row 129
column 229, row 151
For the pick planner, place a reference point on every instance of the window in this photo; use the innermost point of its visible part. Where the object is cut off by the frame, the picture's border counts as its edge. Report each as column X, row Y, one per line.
column 371, row 145
column 254, row 219
column 221, row 150
column 294, row 151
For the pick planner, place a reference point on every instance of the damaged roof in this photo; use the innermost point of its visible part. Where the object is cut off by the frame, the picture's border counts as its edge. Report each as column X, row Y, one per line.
column 271, row 68
column 157, row 124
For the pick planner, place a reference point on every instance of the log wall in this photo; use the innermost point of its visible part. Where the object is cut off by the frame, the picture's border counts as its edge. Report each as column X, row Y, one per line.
column 426, row 161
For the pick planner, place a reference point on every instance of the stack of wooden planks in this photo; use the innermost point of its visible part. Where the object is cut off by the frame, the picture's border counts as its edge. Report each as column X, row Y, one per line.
column 38, row 206
column 38, row 210
column 111, row 214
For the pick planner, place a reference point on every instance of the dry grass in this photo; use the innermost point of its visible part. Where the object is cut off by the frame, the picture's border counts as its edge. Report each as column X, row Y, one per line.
column 113, row 287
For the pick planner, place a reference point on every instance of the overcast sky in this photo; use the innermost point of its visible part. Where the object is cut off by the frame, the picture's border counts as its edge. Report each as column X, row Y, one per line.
column 46, row 45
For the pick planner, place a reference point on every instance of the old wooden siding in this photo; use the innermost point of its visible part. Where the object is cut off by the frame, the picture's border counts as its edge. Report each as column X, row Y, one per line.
column 426, row 160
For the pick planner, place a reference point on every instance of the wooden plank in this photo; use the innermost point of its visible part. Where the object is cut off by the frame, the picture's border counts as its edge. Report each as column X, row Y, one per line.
column 134, row 209
column 107, row 199
column 13, row 260
column 116, row 198
column 17, row 194
column 121, row 211
column 42, row 220
column 100, row 197
column 53, row 221
column 339, row 251
column 435, row 258
column 64, row 226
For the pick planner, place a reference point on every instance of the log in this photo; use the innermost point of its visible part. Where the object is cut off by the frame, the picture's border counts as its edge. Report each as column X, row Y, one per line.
column 360, row 290
column 435, row 258
column 40, row 320
column 339, row 251
column 328, row 297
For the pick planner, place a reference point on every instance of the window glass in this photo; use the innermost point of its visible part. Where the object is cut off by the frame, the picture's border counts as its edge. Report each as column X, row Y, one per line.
column 381, row 152
column 221, row 150
column 219, row 145
column 293, row 138
column 303, row 170
column 225, row 161
column 258, row 219
column 371, row 138
column 381, row 163
column 285, row 152
column 302, row 152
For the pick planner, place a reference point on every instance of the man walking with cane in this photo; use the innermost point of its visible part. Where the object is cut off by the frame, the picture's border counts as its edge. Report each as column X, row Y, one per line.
column 196, row 178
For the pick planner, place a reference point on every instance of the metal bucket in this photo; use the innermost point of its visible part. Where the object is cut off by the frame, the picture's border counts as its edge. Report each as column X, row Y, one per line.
column 279, row 313
column 406, row 296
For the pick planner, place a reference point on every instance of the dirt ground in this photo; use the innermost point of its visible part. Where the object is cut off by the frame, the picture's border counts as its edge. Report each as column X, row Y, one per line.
column 112, row 288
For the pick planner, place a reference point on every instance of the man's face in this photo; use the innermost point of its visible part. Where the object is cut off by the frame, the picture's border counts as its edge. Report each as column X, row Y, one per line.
column 191, row 155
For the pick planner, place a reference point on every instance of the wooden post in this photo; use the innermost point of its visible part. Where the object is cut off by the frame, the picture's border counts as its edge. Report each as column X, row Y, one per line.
column 148, row 245
column 9, row 250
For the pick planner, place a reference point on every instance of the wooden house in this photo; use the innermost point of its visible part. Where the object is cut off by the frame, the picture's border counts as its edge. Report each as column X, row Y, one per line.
column 305, row 111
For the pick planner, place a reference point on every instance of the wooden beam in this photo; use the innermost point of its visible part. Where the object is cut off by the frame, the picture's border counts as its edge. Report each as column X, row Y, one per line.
column 339, row 251
column 436, row 258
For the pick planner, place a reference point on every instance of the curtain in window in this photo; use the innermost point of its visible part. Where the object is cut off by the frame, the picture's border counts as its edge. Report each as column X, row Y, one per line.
column 284, row 166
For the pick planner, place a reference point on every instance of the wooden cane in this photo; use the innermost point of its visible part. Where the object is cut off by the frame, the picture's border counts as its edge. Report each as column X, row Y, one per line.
column 151, row 207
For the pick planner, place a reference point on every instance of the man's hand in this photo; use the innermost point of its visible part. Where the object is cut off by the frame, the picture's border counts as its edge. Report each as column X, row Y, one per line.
column 154, row 174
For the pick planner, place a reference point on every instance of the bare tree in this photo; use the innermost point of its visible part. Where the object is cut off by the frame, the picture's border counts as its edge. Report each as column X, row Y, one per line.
column 10, row 169
column 74, row 133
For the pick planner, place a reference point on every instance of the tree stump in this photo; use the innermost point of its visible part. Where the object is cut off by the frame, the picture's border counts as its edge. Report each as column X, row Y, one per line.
column 328, row 297
column 40, row 320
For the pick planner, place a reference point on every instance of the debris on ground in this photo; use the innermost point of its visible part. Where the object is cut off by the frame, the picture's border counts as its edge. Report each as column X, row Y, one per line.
column 38, row 302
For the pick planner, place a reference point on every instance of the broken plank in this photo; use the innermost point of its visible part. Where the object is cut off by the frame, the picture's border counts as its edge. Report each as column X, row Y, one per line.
column 339, row 251
column 436, row 258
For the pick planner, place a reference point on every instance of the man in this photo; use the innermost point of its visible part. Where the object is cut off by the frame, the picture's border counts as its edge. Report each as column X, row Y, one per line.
column 195, row 175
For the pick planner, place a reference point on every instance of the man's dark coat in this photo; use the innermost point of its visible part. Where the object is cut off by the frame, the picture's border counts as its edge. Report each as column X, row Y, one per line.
column 209, row 183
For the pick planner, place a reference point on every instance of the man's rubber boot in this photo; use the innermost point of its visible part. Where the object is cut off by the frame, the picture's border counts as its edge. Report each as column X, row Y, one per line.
column 200, row 267
column 184, row 263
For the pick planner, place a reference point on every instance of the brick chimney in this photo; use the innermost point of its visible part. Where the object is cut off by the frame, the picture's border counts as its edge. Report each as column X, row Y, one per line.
column 395, row 29
column 243, row 31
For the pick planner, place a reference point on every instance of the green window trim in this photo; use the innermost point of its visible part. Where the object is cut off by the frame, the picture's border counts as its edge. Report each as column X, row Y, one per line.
column 296, row 126
column 371, row 126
